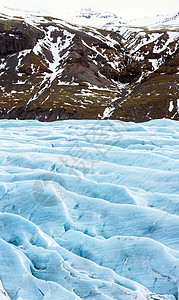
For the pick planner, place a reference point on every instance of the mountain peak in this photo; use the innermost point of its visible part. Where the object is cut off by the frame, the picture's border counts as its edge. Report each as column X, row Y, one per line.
column 89, row 13
column 88, row 16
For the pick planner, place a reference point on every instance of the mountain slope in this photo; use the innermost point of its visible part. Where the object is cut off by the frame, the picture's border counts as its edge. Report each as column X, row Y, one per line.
column 51, row 69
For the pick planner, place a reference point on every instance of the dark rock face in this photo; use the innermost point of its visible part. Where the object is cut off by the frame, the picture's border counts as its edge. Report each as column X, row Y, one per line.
column 24, row 114
column 82, row 68
column 51, row 70
column 17, row 36
column 171, row 65
column 131, row 73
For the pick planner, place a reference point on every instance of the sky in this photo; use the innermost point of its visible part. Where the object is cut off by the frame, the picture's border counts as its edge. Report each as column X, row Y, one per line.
column 123, row 8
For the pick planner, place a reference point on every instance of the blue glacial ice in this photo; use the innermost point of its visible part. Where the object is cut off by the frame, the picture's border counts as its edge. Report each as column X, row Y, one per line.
column 89, row 210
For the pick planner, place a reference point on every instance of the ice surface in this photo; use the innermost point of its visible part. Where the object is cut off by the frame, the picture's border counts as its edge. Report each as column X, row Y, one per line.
column 89, row 210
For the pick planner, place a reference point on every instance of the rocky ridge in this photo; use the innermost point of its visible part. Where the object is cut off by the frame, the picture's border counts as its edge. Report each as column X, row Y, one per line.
column 51, row 69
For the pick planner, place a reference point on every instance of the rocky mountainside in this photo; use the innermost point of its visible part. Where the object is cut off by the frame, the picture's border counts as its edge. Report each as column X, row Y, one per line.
column 51, row 69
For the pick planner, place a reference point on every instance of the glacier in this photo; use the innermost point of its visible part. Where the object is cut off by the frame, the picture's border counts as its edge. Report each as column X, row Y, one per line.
column 89, row 210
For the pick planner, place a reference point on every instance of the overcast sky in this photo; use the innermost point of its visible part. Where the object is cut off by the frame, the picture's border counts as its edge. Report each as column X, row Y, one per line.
column 124, row 8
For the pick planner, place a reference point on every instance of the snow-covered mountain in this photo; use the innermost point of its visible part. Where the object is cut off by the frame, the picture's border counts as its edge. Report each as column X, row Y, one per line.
column 89, row 210
column 109, row 20
column 90, row 17
column 158, row 22
column 21, row 11
column 51, row 69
